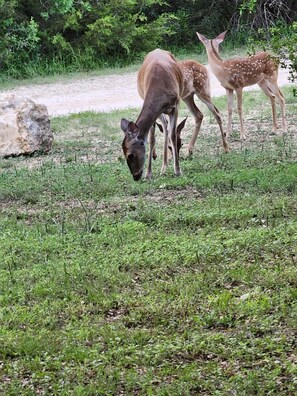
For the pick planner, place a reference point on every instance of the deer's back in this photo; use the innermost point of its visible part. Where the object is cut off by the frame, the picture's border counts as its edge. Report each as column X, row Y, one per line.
column 196, row 79
column 241, row 72
column 160, row 76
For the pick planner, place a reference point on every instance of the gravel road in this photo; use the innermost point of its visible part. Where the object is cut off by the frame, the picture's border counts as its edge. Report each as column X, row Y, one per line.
column 102, row 94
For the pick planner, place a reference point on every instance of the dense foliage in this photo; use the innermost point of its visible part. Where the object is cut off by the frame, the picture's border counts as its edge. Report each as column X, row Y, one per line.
column 64, row 35
column 273, row 30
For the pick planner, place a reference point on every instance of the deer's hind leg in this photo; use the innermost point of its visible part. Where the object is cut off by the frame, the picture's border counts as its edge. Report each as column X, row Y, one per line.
column 268, row 92
column 273, row 87
column 207, row 100
column 239, row 107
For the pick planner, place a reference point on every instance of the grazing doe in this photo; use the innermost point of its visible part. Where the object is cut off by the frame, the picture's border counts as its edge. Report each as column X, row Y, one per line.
column 235, row 74
column 160, row 84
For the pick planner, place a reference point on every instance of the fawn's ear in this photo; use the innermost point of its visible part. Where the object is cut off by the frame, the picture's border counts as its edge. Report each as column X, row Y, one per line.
column 202, row 38
column 181, row 126
column 221, row 37
column 160, row 126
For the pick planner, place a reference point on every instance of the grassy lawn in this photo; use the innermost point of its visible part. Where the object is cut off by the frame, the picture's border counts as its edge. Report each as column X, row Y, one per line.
column 177, row 286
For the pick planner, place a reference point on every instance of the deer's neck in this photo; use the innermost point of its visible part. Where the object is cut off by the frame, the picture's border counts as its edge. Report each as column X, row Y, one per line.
column 149, row 113
column 214, row 59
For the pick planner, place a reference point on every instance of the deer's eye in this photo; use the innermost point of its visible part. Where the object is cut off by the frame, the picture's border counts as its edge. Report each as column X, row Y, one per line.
column 131, row 157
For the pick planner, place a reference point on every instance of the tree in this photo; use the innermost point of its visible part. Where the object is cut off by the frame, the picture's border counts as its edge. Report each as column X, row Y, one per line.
column 275, row 29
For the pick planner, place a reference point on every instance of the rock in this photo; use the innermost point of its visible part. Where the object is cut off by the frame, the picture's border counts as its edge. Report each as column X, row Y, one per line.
column 24, row 127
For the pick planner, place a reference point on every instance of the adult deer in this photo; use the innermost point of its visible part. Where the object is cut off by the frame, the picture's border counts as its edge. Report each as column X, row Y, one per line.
column 160, row 84
column 196, row 82
column 235, row 74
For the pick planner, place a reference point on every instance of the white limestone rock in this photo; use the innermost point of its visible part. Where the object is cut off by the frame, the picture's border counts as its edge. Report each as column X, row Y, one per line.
column 24, row 127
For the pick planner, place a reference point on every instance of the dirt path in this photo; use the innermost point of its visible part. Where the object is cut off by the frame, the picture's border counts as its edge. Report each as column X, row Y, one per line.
column 105, row 93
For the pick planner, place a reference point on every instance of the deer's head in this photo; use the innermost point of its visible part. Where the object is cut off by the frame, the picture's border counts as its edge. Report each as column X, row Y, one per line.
column 133, row 147
column 212, row 44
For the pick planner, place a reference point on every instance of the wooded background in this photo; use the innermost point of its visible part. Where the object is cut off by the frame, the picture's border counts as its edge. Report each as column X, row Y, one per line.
column 45, row 36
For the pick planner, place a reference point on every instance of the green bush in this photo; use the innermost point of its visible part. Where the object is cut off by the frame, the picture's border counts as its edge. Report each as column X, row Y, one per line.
column 65, row 35
column 275, row 29
column 79, row 35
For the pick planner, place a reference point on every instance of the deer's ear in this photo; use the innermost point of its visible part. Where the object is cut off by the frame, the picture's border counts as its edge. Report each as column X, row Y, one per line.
column 221, row 37
column 129, row 127
column 202, row 38
column 133, row 128
column 160, row 126
column 181, row 126
column 124, row 125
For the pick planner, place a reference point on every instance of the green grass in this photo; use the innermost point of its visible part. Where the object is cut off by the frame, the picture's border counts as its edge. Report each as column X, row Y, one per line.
column 177, row 286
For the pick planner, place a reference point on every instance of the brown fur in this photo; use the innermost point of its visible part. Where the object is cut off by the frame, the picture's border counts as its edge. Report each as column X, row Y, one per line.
column 196, row 82
column 235, row 74
column 160, row 84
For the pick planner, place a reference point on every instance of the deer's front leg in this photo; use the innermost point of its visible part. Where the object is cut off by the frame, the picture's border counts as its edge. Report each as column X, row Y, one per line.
column 165, row 145
column 173, row 141
column 239, row 106
column 151, row 143
column 229, row 93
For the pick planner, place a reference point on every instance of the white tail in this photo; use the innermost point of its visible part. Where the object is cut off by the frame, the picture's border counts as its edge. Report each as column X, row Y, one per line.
column 160, row 84
column 235, row 74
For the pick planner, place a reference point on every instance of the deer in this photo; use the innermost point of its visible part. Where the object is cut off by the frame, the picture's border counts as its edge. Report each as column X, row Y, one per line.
column 196, row 82
column 160, row 85
column 235, row 74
